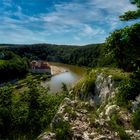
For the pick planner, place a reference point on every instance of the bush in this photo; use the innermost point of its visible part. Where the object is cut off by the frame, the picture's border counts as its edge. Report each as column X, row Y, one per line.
column 64, row 88
column 15, row 67
column 128, row 90
column 63, row 131
column 5, row 110
column 136, row 119
column 27, row 114
column 123, row 47
column 116, row 124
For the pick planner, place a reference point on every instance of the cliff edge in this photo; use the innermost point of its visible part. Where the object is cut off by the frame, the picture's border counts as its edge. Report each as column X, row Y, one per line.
column 92, row 112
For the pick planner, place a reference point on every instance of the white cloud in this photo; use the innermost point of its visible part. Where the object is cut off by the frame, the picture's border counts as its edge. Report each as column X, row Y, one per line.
column 72, row 13
column 90, row 21
column 88, row 30
column 77, row 38
column 112, row 6
column 78, row 14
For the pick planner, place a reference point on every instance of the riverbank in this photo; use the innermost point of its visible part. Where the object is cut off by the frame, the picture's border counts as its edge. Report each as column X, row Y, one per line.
column 57, row 70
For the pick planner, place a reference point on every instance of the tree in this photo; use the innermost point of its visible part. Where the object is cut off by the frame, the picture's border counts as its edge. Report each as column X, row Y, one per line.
column 124, row 45
column 5, row 111
column 132, row 14
column 12, row 66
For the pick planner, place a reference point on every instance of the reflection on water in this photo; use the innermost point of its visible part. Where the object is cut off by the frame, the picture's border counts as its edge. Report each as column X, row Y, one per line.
column 72, row 75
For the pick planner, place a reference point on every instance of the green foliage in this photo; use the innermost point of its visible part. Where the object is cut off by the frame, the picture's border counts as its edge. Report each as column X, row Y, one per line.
column 116, row 124
column 136, row 119
column 71, row 111
column 117, row 74
column 106, row 59
column 132, row 14
column 5, row 110
column 12, row 66
column 64, row 88
column 6, row 55
column 79, row 55
column 44, row 77
column 128, row 90
column 89, row 86
column 123, row 46
column 137, row 2
column 86, row 85
column 86, row 56
column 26, row 114
column 63, row 131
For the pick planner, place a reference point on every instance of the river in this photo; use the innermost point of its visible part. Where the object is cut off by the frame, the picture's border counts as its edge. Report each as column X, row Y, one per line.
column 69, row 77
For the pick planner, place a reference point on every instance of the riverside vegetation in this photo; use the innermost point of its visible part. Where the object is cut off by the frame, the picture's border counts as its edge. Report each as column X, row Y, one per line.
column 104, row 104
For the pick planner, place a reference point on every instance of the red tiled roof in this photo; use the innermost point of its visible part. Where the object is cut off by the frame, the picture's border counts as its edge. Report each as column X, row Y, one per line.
column 40, row 65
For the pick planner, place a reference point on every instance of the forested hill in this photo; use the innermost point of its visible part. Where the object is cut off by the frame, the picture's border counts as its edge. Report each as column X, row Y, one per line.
column 80, row 55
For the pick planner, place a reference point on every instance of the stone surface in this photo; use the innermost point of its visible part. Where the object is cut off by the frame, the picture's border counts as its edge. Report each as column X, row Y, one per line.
column 104, row 88
column 47, row 136
column 135, row 135
column 136, row 104
column 81, row 118
column 101, row 137
column 111, row 110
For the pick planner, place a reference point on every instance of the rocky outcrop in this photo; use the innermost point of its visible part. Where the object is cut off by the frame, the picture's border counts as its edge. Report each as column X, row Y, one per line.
column 76, row 113
column 47, row 136
column 136, row 104
column 111, row 109
column 104, row 88
column 135, row 135
column 90, row 119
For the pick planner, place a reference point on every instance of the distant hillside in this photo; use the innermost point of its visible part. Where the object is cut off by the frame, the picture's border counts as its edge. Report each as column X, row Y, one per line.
column 87, row 55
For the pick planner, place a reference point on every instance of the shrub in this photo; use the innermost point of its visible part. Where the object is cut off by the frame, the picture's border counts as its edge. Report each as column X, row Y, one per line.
column 128, row 90
column 63, row 131
column 64, row 88
column 116, row 124
column 15, row 67
column 5, row 111
column 136, row 119
column 123, row 47
column 27, row 114
column 86, row 86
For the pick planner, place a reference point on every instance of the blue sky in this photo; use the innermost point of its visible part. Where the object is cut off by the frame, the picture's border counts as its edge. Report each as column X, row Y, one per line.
column 76, row 22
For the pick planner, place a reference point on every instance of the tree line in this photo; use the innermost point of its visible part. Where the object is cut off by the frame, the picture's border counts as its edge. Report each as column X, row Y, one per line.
column 78, row 55
column 12, row 66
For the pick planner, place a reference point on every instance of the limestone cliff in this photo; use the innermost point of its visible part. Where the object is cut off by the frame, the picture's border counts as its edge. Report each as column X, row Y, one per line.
column 94, row 115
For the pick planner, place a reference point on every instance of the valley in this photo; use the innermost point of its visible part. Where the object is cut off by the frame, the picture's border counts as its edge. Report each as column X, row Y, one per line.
column 70, row 92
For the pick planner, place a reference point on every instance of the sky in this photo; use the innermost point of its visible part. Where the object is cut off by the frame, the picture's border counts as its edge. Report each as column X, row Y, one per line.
column 74, row 22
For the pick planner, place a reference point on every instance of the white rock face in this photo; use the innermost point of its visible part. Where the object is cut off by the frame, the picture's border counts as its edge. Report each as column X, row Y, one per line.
column 47, row 136
column 134, row 135
column 84, row 127
column 136, row 104
column 101, row 137
column 104, row 88
column 111, row 109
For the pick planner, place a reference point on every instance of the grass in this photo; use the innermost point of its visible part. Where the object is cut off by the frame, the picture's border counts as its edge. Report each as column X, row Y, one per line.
column 117, row 74
column 116, row 125
column 87, row 83
column 3, row 62
column 48, row 106
column 136, row 120
column 21, row 85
